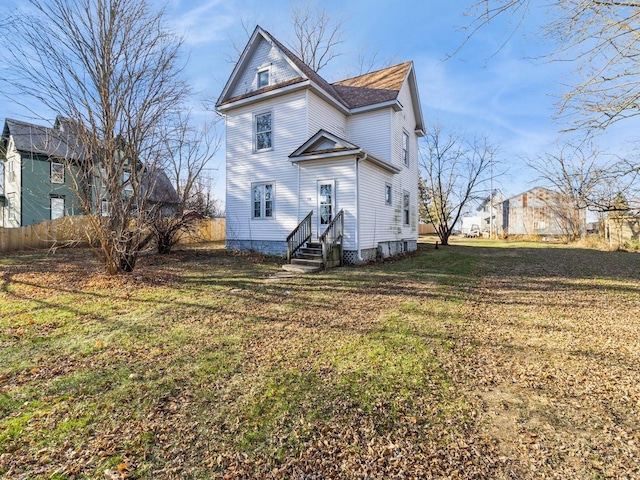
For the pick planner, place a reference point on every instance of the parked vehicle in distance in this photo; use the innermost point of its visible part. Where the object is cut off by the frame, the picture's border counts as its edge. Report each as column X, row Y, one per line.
column 474, row 231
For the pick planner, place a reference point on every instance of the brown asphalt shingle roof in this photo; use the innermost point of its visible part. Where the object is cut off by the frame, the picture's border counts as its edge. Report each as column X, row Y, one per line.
column 375, row 87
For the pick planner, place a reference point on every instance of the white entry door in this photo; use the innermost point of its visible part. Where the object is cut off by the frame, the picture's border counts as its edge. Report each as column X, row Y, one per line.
column 326, row 204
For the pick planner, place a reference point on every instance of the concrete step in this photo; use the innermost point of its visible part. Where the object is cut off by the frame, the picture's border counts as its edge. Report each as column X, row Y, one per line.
column 310, row 255
column 317, row 262
column 301, row 268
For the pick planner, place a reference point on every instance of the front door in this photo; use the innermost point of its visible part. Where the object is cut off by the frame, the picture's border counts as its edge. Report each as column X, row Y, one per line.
column 326, row 204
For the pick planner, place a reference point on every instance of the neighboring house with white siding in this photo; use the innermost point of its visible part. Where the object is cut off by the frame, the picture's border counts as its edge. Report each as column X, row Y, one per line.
column 298, row 145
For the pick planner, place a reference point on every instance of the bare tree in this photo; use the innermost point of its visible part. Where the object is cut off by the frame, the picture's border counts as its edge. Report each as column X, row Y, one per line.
column 317, row 35
column 113, row 70
column 602, row 39
column 189, row 152
column 586, row 178
column 453, row 172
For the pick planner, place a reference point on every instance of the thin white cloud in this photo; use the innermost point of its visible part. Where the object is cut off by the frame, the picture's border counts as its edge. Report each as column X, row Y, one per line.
column 205, row 23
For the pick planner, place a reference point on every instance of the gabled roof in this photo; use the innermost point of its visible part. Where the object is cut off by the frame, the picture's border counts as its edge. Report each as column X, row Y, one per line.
column 325, row 145
column 39, row 140
column 306, row 74
column 157, row 187
column 372, row 90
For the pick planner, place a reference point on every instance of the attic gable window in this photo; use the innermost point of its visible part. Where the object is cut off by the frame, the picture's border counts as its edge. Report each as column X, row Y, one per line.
column 263, row 131
column 57, row 172
column 263, row 78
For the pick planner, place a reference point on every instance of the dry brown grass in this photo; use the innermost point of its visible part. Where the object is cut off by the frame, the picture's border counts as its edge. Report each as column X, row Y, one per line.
column 479, row 360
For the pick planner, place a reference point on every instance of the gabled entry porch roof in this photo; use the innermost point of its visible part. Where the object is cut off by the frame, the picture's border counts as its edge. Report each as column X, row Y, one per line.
column 325, row 145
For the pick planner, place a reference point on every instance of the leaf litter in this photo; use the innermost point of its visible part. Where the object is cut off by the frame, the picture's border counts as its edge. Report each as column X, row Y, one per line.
column 530, row 372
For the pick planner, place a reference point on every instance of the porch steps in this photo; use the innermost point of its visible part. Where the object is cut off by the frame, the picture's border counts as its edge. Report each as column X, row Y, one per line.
column 307, row 260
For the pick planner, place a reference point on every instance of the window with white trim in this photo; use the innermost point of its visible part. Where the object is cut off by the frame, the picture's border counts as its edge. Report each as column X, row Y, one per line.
column 387, row 193
column 405, row 147
column 12, row 173
column 105, row 208
column 12, row 207
column 262, row 200
column 57, row 172
column 263, row 78
column 126, row 182
column 57, row 207
column 406, row 208
column 263, row 131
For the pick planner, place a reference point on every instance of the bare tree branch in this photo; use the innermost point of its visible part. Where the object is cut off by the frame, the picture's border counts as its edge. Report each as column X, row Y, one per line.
column 113, row 70
column 316, row 35
column 601, row 38
column 453, row 171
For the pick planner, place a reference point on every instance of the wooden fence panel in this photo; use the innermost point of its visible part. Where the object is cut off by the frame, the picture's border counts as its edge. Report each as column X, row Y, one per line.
column 69, row 231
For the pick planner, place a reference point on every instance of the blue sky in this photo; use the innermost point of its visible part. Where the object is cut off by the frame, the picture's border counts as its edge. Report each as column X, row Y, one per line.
column 501, row 90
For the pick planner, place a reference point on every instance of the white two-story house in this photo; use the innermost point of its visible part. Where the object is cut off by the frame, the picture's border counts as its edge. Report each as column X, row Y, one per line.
column 302, row 153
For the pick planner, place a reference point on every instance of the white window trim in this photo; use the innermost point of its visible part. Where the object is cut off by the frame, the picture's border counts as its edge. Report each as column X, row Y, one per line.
column 388, row 189
column 255, row 131
column 126, row 182
column 51, row 201
column 405, row 151
column 105, row 208
column 11, row 171
column 262, row 201
column 261, row 70
column 51, row 172
column 406, row 212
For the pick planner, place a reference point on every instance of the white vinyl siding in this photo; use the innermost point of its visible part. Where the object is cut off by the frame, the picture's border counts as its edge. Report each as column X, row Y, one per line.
column 371, row 131
column 265, row 56
column 379, row 221
column 321, row 115
column 245, row 169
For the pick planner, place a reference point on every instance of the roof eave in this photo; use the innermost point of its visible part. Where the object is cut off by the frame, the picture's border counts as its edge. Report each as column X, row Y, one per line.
column 395, row 105
column 263, row 96
column 382, row 164
column 326, row 156
column 328, row 97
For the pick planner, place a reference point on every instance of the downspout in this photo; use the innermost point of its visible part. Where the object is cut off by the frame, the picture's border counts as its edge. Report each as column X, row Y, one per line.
column 298, row 165
column 364, row 157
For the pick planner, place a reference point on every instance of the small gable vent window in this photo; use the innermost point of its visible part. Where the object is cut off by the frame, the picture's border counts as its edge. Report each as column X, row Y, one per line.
column 263, row 78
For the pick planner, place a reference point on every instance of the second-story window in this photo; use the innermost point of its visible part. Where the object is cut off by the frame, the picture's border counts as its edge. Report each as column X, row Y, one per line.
column 263, row 131
column 263, row 78
column 405, row 148
column 57, row 172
